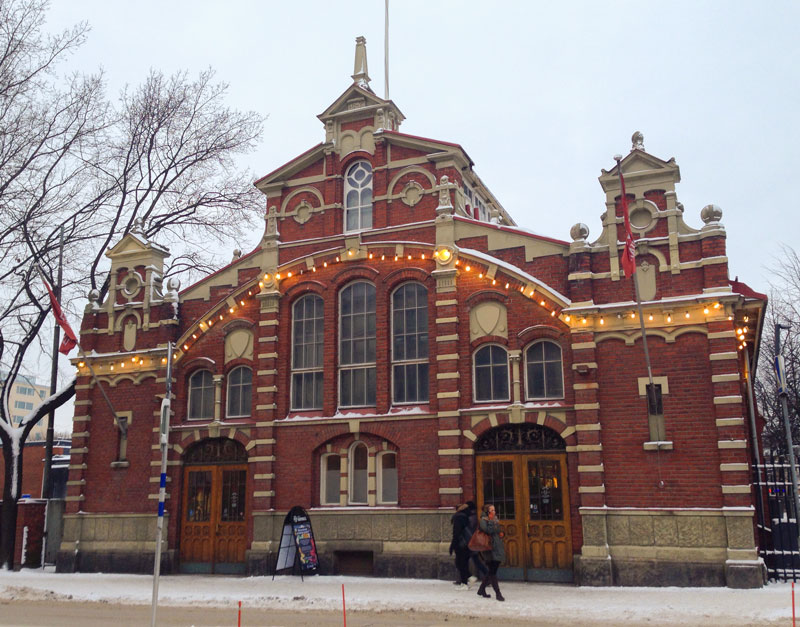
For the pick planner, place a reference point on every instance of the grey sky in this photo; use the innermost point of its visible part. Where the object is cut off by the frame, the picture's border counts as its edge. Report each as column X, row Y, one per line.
column 540, row 94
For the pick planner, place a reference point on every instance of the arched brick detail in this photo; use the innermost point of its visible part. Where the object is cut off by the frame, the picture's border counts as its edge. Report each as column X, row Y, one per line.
column 552, row 423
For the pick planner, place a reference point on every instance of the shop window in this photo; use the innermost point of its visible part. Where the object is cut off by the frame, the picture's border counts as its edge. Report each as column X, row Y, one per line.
column 201, row 396
column 358, row 473
column 545, row 374
column 491, row 374
column 387, row 478
column 358, row 197
column 357, row 345
column 330, row 479
column 240, row 392
column 410, row 344
column 307, row 343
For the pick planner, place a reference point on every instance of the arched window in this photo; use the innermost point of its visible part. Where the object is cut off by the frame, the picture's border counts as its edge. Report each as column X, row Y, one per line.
column 358, row 197
column 545, row 375
column 240, row 392
column 201, row 396
column 410, row 344
column 387, row 478
column 359, row 457
column 357, row 345
column 307, row 341
column 330, row 479
column 491, row 373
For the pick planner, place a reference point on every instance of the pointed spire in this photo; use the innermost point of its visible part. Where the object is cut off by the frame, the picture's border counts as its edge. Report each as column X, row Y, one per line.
column 360, row 75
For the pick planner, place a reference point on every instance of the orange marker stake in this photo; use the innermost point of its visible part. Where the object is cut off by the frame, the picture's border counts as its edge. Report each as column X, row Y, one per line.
column 344, row 612
column 240, row 614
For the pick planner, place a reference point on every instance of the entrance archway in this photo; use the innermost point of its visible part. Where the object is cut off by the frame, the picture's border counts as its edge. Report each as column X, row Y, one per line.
column 522, row 470
column 213, row 521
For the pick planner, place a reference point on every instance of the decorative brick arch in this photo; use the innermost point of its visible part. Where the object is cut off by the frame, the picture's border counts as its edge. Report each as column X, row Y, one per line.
column 211, row 432
column 480, row 429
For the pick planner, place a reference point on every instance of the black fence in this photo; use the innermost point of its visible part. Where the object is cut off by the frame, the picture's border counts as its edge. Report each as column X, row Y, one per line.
column 776, row 518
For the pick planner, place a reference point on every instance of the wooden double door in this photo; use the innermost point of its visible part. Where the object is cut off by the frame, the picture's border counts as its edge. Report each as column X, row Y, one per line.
column 531, row 496
column 213, row 522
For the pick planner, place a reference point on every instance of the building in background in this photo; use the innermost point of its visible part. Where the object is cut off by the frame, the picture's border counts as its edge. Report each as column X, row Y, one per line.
column 394, row 346
column 26, row 394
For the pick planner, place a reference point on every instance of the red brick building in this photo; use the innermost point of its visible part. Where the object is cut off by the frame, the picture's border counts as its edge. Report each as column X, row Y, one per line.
column 396, row 345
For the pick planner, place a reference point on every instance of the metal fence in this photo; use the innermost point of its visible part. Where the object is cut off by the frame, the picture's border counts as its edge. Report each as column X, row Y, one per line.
column 776, row 518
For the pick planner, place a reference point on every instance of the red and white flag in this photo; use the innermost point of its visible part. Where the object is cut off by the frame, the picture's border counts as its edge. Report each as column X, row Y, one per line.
column 70, row 340
column 629, row 250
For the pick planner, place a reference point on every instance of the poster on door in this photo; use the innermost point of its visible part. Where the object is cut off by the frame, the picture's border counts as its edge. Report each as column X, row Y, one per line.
column 297, row 541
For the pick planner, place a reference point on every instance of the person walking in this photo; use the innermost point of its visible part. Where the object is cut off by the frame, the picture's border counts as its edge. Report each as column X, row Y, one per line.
column 489, row 524
column 474, row 556
column 459, row 544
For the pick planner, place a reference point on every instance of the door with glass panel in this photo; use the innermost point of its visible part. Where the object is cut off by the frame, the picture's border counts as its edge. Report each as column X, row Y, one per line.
column 531, row 498
column 214, row 528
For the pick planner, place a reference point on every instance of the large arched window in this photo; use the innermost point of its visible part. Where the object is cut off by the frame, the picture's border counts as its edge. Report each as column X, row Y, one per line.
column 357, row 345
column 358, row 471
column 544, row 372
column 358, row 197
column 201, row 396
column 410, row 344
column 491, row 373
column 307, row 341
column 240, row 391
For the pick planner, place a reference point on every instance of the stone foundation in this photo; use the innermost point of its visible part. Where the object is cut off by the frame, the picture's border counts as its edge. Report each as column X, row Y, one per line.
column 629, row 547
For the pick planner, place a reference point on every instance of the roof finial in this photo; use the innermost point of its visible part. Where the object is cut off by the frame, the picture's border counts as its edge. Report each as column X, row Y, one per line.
column 637, row 141
column 360, row 75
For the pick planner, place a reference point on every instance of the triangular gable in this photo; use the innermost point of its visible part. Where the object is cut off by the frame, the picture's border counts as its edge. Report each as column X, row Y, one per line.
column 339, row 106
column 309, row 157
column 132, row 244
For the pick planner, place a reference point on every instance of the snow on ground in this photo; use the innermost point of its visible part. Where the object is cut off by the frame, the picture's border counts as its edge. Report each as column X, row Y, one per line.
column 664, row 606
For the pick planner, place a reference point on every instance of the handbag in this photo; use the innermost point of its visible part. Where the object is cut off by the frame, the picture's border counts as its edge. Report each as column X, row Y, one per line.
column 480, row 541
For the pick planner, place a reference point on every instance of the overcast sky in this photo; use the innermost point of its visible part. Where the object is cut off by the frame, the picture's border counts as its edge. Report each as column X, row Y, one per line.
column 541, row 95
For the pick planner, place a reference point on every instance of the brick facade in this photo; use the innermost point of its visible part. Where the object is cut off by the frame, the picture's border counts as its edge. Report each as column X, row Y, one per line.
column 675, row 510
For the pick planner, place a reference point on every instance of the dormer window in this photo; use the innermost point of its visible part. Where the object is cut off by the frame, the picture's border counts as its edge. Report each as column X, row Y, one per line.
column 358, row 197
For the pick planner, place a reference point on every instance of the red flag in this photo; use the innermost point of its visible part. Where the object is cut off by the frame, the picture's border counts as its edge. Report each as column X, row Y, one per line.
column 629, row 251
column 70, row 341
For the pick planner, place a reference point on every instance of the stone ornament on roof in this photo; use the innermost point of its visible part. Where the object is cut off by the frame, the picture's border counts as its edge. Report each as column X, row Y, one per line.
column 637, row 141
column 360, row 74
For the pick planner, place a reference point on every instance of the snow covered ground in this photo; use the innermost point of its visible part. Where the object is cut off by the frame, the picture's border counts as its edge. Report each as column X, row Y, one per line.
column 540, row 603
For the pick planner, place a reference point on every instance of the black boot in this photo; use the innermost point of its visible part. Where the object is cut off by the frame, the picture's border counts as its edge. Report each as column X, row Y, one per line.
column 496, row 587
column 482, row 589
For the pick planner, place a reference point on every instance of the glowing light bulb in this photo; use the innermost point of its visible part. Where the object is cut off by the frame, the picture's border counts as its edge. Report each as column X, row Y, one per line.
column 686, row 314
column 602, row 321
column 468, row 268
column 650, row 317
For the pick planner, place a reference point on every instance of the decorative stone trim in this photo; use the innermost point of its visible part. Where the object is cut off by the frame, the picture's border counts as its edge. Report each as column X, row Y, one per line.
column 446, row 432
column 450, row 471
column 455, row 394
column 260, row 458
column 734, row 467
column 263, row 493
column 448, row 375
column 723, row 378
column 445, row 303
column 729, row 422
column 595, row 426
column 253, row 443
column 595, row 468
column 736, row 489
column 592, row 489
column 447, row 338
column 267, row 388
column 580, row 406
column 721, row 356
column 725, row 444
column 658, row 446
column 264, row 476
column 447, row 320
column 728, row 400
column 451, row 490
column 268, row 355
column 447, row 357
column 456, row 451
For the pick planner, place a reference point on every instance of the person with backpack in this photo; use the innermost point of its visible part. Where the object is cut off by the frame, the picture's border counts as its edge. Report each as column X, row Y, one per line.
column 459, row 544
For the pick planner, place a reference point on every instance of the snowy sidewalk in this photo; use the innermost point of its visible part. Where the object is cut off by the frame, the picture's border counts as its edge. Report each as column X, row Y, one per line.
column 770, row 605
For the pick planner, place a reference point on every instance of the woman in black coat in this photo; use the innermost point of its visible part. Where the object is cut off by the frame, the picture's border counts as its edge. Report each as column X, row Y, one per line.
column 459, row 544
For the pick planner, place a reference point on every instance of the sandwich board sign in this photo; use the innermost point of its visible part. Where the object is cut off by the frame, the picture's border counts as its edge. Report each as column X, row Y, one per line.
column 297, row 544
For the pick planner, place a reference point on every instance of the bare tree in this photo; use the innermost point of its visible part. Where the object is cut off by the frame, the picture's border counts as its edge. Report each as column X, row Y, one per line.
column 73, row 165
column 784, row 309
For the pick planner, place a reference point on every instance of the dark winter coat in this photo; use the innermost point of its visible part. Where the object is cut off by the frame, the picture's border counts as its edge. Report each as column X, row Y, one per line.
column 461, row 531
column 498, row 552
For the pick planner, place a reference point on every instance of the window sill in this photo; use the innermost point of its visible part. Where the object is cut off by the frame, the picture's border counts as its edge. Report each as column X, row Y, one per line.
column 658, row 446
column 120, row 464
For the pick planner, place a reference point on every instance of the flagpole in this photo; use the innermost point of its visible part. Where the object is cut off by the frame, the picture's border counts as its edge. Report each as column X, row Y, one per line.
column 51, row 417
column 164, row 445
column 386, row 50
column 651, row 388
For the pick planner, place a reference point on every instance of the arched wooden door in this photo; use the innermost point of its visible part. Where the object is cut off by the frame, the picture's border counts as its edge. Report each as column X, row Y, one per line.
column 213, row 522
column 522, row 470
